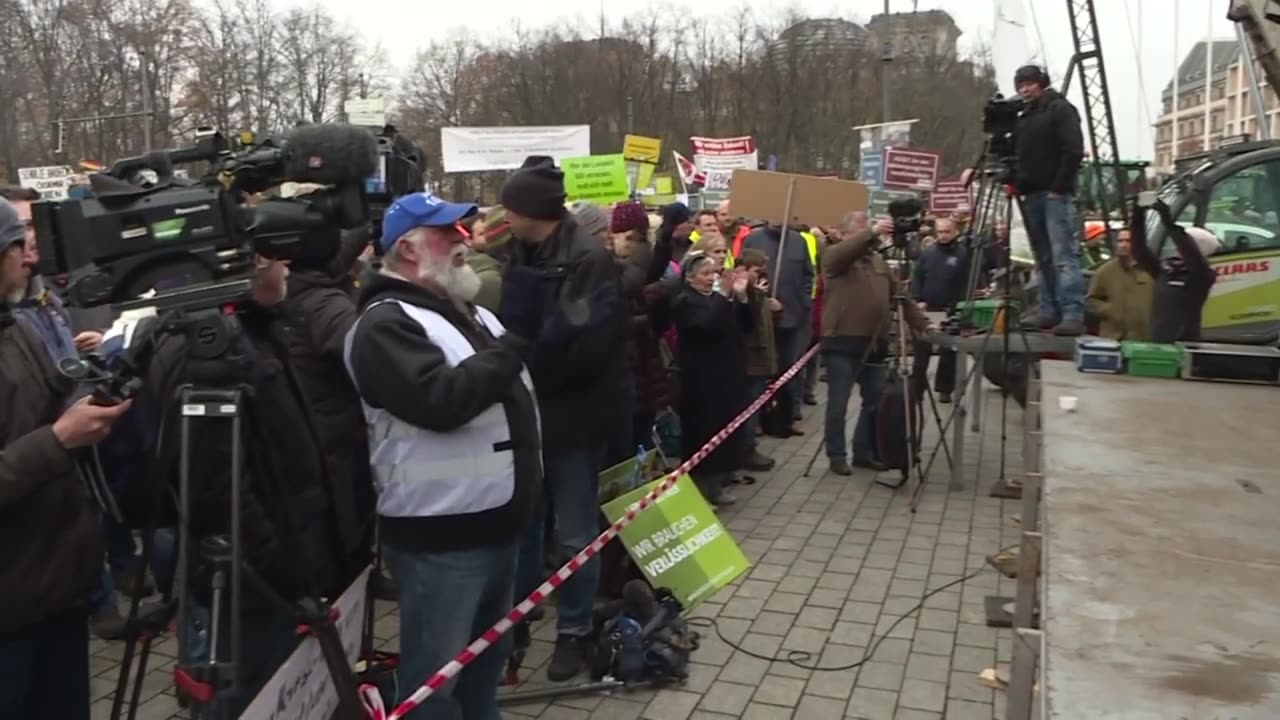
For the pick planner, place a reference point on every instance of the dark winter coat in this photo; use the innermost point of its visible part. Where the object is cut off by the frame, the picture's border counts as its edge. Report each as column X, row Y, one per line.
column 941, row 276
column 51, row 534
column 577, row 359
column 793, row 275
column 314, row 320
column 289, row 525
column 713, row 374
column 1050, row 146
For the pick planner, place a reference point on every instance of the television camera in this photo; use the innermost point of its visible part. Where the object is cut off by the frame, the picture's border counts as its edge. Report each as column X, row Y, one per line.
column 181, row 241
column 1000, row 118
column 907, row 218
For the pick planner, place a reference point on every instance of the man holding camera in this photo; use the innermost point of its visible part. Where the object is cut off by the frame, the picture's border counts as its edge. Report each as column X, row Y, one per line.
column 51, row 534
column 1050, row 146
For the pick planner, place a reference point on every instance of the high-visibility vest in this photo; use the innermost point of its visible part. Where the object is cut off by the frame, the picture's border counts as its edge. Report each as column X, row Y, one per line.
column 736, row 250
column 811, row 241
column 421, row 473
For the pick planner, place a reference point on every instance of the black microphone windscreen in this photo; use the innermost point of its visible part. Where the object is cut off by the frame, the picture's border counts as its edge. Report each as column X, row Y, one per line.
column 331, row 154
column 638, row 600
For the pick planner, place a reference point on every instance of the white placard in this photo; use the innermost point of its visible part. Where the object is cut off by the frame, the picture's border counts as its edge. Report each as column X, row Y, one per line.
column 302, row 689
column 51, row 181
column 477, row 149
column 366, row 112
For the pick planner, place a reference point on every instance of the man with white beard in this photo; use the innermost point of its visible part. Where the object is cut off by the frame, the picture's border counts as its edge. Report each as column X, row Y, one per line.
column 454, row 441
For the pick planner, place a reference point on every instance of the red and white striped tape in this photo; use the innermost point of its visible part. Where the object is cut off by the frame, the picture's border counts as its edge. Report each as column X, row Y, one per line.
column 369, row 695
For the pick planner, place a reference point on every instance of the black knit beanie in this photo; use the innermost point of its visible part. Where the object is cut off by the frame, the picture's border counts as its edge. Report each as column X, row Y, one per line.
column 535, row 192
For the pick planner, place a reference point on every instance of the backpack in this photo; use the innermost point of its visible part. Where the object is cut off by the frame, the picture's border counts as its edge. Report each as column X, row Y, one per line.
column 894, row 415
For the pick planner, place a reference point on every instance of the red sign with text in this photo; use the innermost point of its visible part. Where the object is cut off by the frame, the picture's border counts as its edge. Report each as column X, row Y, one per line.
column 915, row 169
column 949, row 196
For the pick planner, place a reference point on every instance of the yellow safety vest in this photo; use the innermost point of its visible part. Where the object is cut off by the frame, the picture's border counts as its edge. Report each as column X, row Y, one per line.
column 812, row 241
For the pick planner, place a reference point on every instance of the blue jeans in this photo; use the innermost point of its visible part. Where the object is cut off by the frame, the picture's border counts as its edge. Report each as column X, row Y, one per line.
column 572, row 485
column 842, row 367
column 103, row 598
column 448, row 599
column 44, row 670
column 1054, row 237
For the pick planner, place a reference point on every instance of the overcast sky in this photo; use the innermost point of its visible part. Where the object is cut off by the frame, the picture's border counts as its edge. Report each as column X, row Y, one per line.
column 1136, row 34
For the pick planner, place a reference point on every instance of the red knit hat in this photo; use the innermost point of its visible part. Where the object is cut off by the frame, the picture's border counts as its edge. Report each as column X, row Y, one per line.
column 628, row 216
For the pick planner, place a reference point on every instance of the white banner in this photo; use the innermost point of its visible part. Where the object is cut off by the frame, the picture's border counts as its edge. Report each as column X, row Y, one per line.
column 52, row 181
column 303, row 688
column 478, row 149
column 724, row 154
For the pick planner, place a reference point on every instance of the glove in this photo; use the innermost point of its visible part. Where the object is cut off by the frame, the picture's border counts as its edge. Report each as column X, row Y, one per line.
column 523, row 299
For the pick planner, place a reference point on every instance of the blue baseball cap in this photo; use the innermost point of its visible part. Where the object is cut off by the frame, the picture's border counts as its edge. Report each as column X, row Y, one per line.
column 420, row 210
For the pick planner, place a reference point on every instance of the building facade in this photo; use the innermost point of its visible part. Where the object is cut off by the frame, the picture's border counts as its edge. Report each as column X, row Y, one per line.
column 929, row 33
column 1231, row 114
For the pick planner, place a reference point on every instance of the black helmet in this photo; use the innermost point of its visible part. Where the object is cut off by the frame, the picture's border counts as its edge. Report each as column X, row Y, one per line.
column 1031, row 73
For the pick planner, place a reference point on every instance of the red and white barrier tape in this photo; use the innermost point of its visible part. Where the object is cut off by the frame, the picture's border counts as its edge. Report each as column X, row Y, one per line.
column 369, row 694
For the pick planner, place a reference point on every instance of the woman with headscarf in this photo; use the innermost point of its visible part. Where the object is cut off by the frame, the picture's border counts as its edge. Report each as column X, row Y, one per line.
column 713, row 367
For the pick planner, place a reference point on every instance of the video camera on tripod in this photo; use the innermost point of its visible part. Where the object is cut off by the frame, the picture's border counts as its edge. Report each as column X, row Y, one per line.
column 907, row 214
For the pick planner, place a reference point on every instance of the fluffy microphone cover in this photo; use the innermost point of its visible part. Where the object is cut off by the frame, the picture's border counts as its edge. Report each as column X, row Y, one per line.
column 332, row 154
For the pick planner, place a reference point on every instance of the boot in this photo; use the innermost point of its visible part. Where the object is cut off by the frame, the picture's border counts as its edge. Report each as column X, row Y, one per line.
column 1069, row 328
column 108, row 624
column 758, row 462
column 1040, row 322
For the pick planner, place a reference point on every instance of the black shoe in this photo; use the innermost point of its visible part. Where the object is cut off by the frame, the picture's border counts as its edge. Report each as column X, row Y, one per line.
column 569, row 658
column 538, row 614
column 124, row 581
column 870, row 465
column 944, row 398
column 108, row 624
column 758, row 462
column 840, row 467
column 810, row 399
column 1069, row 328
column 1040, row 322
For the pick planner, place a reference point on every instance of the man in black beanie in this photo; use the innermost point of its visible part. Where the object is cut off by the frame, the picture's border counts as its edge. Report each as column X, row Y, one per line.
column 577, row 367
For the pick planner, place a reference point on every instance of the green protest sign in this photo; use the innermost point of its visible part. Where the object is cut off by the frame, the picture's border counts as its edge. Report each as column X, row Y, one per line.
column 679, row 543
column 627, row 475
column 598, row 178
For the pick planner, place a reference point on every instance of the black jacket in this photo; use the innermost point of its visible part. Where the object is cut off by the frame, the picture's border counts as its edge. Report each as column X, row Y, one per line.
column 795, row 283
column 51, row 535
column 314, row 321
column 1182, row 284
column 399, row 369
column 577, row 363
column 1050, row 146
column 288, row 521
column 941, row 276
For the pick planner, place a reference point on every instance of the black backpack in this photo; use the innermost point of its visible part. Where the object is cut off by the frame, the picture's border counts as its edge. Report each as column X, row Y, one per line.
column 894, row 416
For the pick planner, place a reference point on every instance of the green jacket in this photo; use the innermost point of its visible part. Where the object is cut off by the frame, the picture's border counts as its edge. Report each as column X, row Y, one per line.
column 1120, row 297
column 762, row 358
column 490, row 272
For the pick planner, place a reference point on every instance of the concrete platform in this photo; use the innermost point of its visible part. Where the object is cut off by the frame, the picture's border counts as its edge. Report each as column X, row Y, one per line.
column 1161, row 500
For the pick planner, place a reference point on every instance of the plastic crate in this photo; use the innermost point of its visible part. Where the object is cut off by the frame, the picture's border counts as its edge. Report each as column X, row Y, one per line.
column 984, row 312
column 1153, row 359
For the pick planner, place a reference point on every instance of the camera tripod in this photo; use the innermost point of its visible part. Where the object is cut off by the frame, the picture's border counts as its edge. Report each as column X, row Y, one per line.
column 213, row 393
column 996, row 203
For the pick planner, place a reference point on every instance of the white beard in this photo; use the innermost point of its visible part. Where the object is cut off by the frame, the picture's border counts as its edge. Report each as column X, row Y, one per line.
column 460, row 283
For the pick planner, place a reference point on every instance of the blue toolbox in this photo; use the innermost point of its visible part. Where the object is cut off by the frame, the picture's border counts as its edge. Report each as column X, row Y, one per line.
column 1099, row 355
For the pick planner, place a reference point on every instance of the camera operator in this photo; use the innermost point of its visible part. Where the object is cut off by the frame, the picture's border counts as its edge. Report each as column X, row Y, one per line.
column 51, row 534
column 860, row 294
column 289, row 529
column 1050, row 147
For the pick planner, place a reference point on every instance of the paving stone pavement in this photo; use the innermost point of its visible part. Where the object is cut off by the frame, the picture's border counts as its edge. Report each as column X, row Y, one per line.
column 837, row 564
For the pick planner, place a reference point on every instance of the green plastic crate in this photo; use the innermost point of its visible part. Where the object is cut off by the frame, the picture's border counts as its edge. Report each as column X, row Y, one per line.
column 1155, row 360
column 984, row 312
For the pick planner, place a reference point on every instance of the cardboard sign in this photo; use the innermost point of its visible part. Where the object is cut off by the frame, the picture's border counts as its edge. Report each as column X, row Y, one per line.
column 642, row 149
column 52, row 181
column 599, row 178
column 679, row 543
column 913, row 169
column 762, row 195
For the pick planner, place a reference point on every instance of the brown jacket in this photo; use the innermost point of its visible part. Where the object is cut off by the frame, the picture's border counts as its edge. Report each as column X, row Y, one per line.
column 1120, row 296
column 859, row 291
column 51, row 536
column 762, row 356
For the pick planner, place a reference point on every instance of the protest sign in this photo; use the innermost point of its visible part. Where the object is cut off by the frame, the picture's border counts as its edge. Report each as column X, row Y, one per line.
column 914, row 169
column 627, row 475
column 52, row 181
column 762, row 195
column 598, row 178
column 679, row 543
column 949, row 196
column 474, row 149
column 638, row 148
